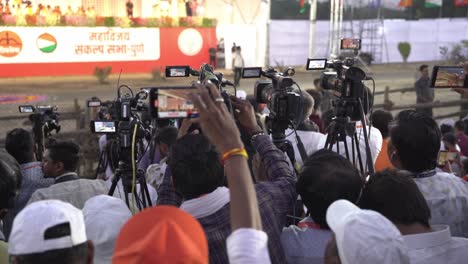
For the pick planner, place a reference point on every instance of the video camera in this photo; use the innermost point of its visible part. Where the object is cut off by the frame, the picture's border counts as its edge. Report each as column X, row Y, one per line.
column 45, row 119
column 353, row 103
column 285, row 105
column 205, row 74
column 346, row 80
column 126, row 131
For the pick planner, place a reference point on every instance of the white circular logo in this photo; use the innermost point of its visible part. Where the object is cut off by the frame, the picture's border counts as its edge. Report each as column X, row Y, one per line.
column 190, row 42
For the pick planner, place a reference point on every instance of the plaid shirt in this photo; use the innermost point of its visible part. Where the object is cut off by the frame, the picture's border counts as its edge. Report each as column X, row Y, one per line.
column 33, row 179
column 276, row 199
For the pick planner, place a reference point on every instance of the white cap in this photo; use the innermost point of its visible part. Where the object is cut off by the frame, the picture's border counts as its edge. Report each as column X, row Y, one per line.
column 365, row 236
column 447, row 121
column 241, row 94
column 37, row 221
column 104, row 217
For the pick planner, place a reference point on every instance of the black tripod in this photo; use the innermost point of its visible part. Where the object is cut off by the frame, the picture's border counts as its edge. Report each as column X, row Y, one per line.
column 343, row 127
column 125, row 170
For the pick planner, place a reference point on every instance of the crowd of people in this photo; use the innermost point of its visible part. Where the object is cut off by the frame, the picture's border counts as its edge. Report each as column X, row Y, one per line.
column 221, row 191
column 20, row 8
column 185, row 8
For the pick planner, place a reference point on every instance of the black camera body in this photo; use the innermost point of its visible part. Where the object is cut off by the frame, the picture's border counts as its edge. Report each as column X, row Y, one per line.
column 45, row 119
column 346, row 80
column 285, row 105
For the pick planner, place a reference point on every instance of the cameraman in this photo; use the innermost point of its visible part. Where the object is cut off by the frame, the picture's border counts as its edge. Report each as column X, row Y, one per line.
column 306, row 130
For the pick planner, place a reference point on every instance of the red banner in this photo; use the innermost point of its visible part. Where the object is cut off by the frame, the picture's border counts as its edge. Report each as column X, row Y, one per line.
column 461, row 3
column 178, row 46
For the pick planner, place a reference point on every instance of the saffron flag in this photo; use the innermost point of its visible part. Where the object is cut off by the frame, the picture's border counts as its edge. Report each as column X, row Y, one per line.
column 301, row 3
column 433, row 3
column 461, row 3
column 405, row 3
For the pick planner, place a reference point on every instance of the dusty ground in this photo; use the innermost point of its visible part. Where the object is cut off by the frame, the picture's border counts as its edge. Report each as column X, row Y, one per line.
column 62, row 90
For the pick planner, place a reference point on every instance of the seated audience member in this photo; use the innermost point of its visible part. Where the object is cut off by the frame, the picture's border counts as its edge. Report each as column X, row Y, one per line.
column 247, row 243
column 325, row 177
column 449, row 141
column 198, row 175
column 446, row 126
column 315, row 116
column 397, row 197
column 306, row 130
column 164, row 140
column 327, row 96
column 60, row 162
column 462, row 139
column 380, row 120
column 156, row 157
column 20, row 144
column 363, row 236
column 104, row 216
column 50, row 231
column 162, row 234
column 10, row 183
column 414, row 146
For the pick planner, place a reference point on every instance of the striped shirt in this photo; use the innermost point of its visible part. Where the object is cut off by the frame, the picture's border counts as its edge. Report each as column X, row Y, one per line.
column 276, row 199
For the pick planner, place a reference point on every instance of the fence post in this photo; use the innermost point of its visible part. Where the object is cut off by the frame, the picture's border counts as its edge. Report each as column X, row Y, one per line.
column 77, row 113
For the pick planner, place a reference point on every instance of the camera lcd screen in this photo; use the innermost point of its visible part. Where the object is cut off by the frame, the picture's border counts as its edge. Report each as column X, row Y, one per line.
column 105, row 127
column 447, row 77
column 350, row 44
column 174, row 103
column 254, row 72
column 26, row 109
column 94, row 103
column 316, row 64
column 177, row 71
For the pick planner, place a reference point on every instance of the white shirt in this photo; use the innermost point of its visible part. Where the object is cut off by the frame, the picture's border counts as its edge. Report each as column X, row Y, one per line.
column 312, row 142
column 447, row 197
column 437, row 247
column 247, row 245
column 305, row 245
column 238, row 61
column 375, row 144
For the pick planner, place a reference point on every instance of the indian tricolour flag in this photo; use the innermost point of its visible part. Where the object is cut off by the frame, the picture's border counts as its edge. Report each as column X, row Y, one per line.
column 46, row 43
column 433, row 3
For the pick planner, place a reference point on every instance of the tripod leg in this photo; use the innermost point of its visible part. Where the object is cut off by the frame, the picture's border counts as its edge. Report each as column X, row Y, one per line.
column 358, row 152
column 346, row 149
column 369, row 160
column 144, row 187
column 353, row 148
column 137, row 199
column 115, row 180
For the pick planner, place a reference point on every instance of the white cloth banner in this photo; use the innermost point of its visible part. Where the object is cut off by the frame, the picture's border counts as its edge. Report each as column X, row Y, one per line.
column 78, row 44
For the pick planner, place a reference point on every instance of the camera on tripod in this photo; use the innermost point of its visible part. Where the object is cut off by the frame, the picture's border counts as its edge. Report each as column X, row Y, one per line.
column 284, row 104
column 353, row 103
column 45, row 119
column 125, row 134
column 346, row 80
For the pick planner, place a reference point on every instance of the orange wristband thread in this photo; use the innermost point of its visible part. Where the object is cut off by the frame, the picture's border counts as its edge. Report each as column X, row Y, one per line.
column 234, row 152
